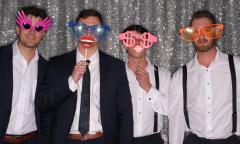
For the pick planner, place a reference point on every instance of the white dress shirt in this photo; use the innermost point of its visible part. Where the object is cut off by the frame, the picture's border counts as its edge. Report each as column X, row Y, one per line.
column 22, row 118
column 209, row 100
column 144, row 104
column 95, row 118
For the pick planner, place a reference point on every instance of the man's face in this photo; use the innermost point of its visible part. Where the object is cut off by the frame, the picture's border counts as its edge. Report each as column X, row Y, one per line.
column 30, row 38
column 202, row 43
column 136, row 51
column 88, row 40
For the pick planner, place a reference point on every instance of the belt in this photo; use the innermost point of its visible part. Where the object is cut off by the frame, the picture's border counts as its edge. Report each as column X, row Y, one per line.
column 85, row 137
column 19, row 138
column 193, row 137
column 156, row 136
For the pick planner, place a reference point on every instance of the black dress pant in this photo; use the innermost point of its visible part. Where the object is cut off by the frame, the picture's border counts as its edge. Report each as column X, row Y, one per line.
column 191, row 138
column 150, row 139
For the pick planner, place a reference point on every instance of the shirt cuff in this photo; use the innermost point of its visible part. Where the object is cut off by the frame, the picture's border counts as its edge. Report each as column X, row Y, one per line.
column 158, row 101
column 72, row 85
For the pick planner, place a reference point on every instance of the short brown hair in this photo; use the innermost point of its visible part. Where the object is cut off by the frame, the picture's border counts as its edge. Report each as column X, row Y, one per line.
column 89, row 12
column 35, row 11
column 203, row 14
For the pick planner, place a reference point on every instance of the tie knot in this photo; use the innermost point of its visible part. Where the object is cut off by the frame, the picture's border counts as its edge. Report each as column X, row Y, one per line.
column 88, row 61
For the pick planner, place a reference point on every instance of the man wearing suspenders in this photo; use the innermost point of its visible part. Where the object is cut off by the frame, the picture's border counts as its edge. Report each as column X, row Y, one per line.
column 148, row 86
column 204, row 99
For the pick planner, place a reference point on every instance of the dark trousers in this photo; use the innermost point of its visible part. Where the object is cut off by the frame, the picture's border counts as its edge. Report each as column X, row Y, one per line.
column 150, row 139
column 34, row 141
column 191, row 138
column 96, row 141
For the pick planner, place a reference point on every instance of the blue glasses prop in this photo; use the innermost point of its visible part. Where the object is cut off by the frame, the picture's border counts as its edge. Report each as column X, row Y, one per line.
column 78, row 29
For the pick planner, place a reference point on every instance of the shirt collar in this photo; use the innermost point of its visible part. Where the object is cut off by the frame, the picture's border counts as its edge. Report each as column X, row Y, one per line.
column 94, row 59
column 219, row 59
column 147, row 68
column 17, row 53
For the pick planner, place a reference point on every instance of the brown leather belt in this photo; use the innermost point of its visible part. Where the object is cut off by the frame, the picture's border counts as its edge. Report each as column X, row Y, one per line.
column 85, row 137
column 19, row 138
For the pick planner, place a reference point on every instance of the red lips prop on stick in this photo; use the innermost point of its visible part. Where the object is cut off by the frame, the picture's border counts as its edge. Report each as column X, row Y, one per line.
column 87, row 41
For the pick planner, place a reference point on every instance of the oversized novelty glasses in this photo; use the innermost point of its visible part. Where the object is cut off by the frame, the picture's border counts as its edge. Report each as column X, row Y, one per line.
column 79, row 29
column 26, row 22
column 129, row 39
column 213, row 31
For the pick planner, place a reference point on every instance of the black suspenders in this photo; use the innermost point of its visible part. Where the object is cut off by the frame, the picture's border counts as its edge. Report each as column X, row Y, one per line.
column 155, row 127
column 184, row 81
column 234, row 94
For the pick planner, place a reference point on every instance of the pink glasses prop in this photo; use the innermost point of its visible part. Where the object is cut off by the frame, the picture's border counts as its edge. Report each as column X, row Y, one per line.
column 26, row 23
column 129, row 39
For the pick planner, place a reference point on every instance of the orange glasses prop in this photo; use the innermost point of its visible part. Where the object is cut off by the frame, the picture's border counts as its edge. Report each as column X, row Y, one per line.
column 213, row 31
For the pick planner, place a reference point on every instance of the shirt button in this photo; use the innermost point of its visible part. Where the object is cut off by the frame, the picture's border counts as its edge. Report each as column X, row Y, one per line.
column 150, row 99
column 139, row 112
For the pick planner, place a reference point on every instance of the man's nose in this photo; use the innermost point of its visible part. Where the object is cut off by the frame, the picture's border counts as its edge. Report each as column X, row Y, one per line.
column 89, row 31
column 31, row 30
column 137, row 41
column 201, row 33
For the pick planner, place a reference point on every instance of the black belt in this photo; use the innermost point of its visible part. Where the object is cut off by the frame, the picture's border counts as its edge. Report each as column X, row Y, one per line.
column 148, row 137
column 193, row 138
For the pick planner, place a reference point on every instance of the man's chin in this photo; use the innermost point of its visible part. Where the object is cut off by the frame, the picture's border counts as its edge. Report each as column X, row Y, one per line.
column 31, row 46
column 203, row 49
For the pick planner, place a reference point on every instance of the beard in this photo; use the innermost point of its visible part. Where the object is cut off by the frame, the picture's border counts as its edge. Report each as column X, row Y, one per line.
column 204, row 45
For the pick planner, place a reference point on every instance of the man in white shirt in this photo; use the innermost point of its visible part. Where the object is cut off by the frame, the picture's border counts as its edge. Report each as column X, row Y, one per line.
column 204, row 99
column 148, row 86
column 88, row 90
column 22, row 70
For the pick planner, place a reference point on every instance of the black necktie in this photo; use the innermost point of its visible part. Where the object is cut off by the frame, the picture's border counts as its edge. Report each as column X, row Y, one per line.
column 85, row 104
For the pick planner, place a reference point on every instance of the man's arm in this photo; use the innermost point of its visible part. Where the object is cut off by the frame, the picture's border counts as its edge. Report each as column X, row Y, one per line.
column 159, row 98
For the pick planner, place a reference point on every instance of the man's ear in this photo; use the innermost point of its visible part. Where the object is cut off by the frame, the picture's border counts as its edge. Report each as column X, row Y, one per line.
column 17, row 30
column 43, row 36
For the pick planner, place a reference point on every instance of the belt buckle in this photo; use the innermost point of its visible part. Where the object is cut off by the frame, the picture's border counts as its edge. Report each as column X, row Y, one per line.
column 14, row 139
column 84, row 137
column 187, row 133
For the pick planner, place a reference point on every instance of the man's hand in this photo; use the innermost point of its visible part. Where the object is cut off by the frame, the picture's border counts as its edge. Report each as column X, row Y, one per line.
column 142, row 77
column 79, row 70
